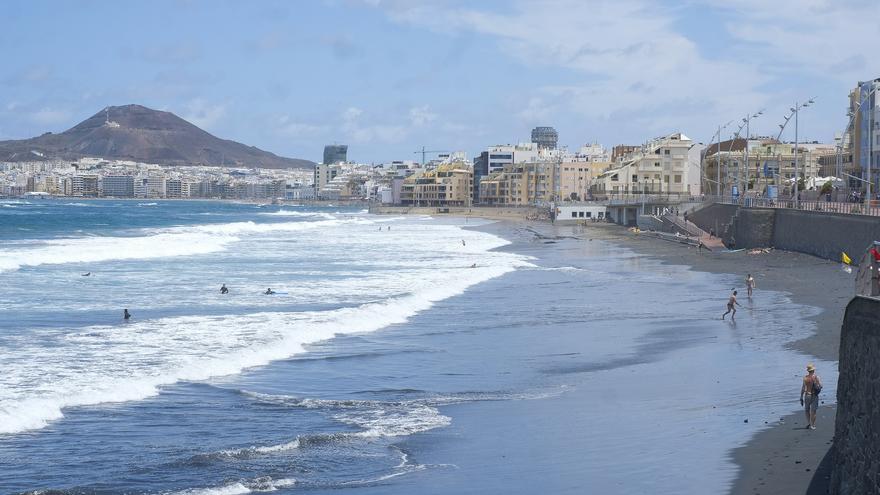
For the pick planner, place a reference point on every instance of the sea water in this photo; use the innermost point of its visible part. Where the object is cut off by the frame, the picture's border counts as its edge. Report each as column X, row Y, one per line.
column 398, row 354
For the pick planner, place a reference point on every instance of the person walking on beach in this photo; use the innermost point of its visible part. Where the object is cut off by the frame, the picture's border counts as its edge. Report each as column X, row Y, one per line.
column 750, row 284
column 810, row 389
column 731, row 303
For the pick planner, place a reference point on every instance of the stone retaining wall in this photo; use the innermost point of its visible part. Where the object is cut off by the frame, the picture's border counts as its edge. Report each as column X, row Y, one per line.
column 856, row 450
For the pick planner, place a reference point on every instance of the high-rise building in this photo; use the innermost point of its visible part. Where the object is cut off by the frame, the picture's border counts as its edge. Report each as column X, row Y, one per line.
column 545, row 137
column 118, row 186
column 335, row 153
column 864, row 136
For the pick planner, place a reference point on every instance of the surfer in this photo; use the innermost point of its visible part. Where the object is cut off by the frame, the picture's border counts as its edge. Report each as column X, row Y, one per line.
column 463, row 243
column 125, row 314
column 224, row 290
column 474, row 265
column 269, row 291
column 86, row 274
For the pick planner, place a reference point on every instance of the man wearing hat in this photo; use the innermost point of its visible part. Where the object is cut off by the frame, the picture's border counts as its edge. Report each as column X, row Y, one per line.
column 810, row 395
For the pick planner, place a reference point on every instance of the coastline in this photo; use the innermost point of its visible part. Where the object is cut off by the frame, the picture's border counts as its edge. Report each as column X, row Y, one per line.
column 783, row 457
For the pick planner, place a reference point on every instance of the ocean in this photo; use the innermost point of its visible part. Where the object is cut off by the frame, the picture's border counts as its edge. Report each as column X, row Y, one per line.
column 398, row 354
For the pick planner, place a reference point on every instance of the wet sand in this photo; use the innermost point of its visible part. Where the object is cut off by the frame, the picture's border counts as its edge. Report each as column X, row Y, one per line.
column 784, row 458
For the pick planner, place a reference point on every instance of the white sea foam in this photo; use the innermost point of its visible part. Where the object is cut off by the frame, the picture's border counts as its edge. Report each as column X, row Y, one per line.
column 105, row 364
column 241, row 487
column 152, row 243
column 301, row 214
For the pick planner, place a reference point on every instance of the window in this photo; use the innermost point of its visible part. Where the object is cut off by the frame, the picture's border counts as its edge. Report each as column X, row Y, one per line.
column 665, row 152
column 581, row 214
column 657, row 176
column 656, row 164
column 677, row 179
column 574, row 214
column 666, row 179
column 601, row 214
column 635, row 178
column 589, row 214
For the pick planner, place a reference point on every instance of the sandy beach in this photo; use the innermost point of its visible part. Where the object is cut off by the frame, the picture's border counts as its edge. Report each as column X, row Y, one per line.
column 784, row 457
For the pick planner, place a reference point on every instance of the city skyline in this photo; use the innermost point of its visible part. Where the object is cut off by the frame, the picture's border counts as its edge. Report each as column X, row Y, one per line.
column 389, row 77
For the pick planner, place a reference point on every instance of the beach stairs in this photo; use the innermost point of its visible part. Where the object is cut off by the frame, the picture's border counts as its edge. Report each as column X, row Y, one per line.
column 677, row 224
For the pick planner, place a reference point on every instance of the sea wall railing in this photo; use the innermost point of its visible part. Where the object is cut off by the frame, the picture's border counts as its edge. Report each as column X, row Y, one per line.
column 848, row 208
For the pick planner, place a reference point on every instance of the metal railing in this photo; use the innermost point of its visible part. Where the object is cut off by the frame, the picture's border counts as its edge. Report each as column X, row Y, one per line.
column 803, row 205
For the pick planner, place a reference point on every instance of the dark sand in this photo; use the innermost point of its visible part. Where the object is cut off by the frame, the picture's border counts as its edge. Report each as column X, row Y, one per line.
column 785, row 457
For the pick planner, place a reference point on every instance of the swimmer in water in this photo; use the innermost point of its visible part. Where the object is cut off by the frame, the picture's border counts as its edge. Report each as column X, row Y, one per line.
column 125, row 314
column 269, row 291
column 224, row 290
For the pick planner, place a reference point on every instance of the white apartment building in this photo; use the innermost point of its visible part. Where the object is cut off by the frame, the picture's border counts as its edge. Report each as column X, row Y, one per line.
column 662, row 166
column 149, row 186
column 506, row 154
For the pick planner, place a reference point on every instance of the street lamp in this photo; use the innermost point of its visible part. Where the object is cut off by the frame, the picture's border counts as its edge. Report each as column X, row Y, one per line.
column 718, row 157
column 746, row 121
column 794, row 112
column 730, row 148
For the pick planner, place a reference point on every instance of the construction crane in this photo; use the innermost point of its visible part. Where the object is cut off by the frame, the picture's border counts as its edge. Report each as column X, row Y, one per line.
column 423, row 151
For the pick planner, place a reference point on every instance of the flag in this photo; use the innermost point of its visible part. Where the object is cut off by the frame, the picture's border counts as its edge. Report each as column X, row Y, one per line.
column 846, row 259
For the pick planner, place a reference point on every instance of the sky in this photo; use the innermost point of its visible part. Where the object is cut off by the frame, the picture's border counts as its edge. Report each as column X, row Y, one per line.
column 387, row 77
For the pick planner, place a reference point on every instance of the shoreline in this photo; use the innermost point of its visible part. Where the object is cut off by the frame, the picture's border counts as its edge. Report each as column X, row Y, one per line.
column 783, row 457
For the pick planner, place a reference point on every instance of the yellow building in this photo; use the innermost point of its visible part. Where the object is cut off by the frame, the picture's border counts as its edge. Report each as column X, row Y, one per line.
column 769, row 162
column 574, row 179
column 450, row 184
column 520, row 184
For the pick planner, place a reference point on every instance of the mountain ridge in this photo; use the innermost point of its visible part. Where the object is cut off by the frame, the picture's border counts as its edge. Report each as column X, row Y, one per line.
column 138, row 133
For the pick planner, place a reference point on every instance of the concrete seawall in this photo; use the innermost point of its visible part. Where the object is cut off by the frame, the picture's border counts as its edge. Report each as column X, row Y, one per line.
column 856, row 451
column 820, row 234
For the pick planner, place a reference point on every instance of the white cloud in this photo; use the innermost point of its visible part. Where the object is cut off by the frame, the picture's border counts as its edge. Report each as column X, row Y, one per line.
column 628, row 53
column 361, row 132
column 422, row 115
column 634, row 67
column 50, row 116
column 831, row 38
column 292, row 129
column 203, row 114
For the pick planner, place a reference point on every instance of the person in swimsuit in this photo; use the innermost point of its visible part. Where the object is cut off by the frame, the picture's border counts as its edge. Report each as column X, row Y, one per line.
column 223, row 289
column 750, row 284
column 731, row 303
column 269, row 292
column 125, row 314
column 810, row 395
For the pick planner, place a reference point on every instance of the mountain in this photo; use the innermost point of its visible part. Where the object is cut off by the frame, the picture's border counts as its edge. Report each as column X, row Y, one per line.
column 134, row 132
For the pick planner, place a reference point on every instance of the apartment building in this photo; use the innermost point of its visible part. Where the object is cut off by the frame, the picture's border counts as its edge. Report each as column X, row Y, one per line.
column 520, row 184
column 661, row 166
column 740, row 166
column 118, row 186
column 450, row 184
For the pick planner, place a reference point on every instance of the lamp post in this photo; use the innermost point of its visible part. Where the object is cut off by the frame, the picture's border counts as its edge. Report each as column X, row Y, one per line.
column 718, row 157
column 794, row 112
column 747, row 120
column 730, row 148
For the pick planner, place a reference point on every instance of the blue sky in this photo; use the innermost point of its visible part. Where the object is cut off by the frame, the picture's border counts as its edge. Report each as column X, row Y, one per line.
column 388, row 76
